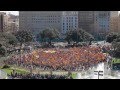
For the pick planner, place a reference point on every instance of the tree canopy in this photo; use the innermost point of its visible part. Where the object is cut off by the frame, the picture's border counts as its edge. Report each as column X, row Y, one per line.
column 24, row 36
column 111, row 37
column 49, row 34
column 78, row 36
column 7, row 39
column 114, row 39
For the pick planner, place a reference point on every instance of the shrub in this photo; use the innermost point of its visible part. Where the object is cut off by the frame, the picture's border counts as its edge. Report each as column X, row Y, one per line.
column 0, row 45
column 2, row 51
column 116, row 46
column 5, row 66
column 111, row 37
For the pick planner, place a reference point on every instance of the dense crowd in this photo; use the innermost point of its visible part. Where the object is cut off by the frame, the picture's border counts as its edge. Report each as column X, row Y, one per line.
column 72, row 59
column 38, row 76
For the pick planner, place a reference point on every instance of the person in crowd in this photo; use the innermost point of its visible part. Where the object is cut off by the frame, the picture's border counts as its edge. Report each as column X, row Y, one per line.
column 60, row 59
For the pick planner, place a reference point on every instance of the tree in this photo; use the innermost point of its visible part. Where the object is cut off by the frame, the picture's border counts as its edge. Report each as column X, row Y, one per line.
column 68, row 36
column 0, row 45
column 116, row 46
column 7, row 39
column 86, row 36
column 111, row 37
column 72, row 35
column 49, row 34
column 12, row 40
column 78, row 36
column 23, row 37
column 3, row 39
column 2, row 51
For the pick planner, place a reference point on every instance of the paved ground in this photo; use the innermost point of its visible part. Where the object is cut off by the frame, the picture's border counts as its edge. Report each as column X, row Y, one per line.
column 3, row 75
column 107, row 73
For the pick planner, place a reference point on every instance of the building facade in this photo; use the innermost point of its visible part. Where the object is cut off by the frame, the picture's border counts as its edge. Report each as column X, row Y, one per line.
column 98, row 23
column 3, row 21
column 8, row 22
column 102, row 23
column 13, row 23
column 86, row 20
column 37, row 21
column 114, row 21
column 106, row 22
column 69, row 21
column 119, row 23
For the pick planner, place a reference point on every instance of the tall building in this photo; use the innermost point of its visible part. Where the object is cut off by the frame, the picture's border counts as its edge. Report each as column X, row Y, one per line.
column 8, row 22
column 13, row 23
column 37, row 21
column 114, row 21
column 105, row 22
column 3, row 21
column 102, row 23
column 98, row 23
column 86, row 20
column 69, row 21
column 119, row 23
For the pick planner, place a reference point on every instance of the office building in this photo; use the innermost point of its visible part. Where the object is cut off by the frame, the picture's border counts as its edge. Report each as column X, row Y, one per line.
column 114, row 21
column 98, row 23
column 86, row 20
column 37, row 21
column 69, row 21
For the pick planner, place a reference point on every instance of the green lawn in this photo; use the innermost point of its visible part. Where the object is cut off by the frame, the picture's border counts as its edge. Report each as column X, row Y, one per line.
column 74, row 75
column 9, row 70
column 115, row 60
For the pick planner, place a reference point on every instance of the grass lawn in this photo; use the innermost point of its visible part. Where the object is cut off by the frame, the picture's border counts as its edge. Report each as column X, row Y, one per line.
column 115, row 60
column 9, row 70
column 74, row 75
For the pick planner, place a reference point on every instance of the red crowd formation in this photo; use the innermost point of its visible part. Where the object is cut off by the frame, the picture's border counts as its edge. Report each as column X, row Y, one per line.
column 62, row 59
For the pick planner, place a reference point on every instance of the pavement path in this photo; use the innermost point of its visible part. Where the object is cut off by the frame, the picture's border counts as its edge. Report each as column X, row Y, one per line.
column 107, row 73
column 3, row 75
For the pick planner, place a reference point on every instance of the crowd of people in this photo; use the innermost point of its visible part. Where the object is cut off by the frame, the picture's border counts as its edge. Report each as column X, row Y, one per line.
column 38, row 76
column 70, row 59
